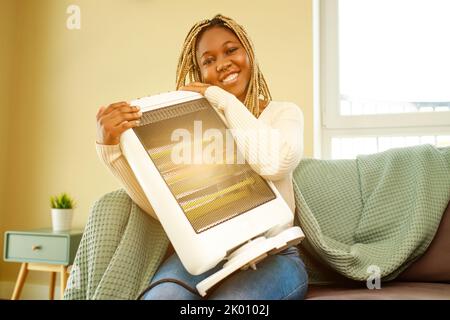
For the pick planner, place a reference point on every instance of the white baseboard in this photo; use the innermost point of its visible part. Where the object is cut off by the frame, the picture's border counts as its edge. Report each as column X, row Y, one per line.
column 30, row 291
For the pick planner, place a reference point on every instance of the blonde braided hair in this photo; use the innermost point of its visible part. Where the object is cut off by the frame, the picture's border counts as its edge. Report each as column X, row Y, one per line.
column 188, row 66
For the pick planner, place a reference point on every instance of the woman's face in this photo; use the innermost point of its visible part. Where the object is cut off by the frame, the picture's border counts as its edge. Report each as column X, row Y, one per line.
column 223, row 61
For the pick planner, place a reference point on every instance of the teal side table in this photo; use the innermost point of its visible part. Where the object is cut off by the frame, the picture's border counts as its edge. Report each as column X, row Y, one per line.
column 42, row 250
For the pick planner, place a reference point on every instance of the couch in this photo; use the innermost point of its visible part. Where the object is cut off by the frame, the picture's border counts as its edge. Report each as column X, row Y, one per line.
column 427, row 278
column 118, row 232
column 110, row 223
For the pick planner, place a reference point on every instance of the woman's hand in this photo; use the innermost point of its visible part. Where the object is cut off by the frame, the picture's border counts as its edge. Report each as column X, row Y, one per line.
column 196, row 87
column 113, row 120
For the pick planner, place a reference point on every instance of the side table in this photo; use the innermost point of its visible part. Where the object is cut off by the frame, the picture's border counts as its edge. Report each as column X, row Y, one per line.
column 42, row 250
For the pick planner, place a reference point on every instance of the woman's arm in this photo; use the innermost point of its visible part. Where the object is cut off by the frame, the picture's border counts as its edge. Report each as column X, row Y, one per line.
column 272, row 150
column 112, row 121
column 114, row 160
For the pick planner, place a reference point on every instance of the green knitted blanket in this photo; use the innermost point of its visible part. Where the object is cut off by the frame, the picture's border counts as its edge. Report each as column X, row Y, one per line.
column 379, row 210
column 119, row 252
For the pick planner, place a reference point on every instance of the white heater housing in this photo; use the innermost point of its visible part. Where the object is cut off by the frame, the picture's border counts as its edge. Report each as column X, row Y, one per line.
column 210, row 211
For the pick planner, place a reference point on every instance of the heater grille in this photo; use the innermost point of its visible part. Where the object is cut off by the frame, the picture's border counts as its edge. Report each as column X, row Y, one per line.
column 202, row 168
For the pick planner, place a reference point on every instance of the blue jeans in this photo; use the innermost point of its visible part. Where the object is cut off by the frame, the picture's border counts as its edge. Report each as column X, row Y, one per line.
column 277, row 277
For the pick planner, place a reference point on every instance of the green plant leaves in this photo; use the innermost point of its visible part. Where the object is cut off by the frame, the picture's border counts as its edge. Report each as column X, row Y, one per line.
column 62, row 201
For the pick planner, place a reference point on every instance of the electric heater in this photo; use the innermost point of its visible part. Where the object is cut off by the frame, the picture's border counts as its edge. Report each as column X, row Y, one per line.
column 210, row 202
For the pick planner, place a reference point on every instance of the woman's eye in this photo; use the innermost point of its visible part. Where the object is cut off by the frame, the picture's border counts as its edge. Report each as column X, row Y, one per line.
column 207, row 61
column 231, row 50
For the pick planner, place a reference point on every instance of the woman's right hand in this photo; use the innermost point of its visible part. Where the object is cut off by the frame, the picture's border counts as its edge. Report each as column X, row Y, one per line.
column 113, row 120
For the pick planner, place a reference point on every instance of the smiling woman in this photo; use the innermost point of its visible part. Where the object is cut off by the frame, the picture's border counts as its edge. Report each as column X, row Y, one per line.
column 217, row 48
column 218, row 61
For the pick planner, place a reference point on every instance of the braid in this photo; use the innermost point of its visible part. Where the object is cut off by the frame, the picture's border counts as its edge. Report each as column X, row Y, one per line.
column 188, row 66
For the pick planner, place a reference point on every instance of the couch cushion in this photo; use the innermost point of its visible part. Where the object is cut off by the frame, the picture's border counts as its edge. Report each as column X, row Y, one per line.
column 434, row 264
column 388, row 291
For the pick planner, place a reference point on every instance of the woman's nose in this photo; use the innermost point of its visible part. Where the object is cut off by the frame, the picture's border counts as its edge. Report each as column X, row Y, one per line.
column 223, row 65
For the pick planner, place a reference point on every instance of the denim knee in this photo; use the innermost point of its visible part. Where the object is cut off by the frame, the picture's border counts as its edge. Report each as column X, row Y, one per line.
column 170, row 291
column 278, row 277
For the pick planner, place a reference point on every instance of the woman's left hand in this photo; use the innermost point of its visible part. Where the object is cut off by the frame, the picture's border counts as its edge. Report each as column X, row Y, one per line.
column 196, row 87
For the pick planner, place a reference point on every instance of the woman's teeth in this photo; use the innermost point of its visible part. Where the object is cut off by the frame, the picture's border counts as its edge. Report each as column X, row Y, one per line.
column 232, row 77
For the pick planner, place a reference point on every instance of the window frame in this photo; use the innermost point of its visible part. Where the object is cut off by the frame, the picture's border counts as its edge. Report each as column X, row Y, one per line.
column 332, row 123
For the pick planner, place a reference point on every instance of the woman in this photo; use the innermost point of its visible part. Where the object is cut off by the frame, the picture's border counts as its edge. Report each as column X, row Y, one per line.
column 218, row 58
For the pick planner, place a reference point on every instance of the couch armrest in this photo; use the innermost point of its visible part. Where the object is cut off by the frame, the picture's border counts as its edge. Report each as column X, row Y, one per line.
column 434, row 264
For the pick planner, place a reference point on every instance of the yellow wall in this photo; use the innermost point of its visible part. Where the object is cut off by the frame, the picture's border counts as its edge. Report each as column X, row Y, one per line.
column 7, row 42
column 124, row 49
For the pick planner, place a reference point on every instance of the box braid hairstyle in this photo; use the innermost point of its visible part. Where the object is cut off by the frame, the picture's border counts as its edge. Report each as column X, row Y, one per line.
column 188, row 66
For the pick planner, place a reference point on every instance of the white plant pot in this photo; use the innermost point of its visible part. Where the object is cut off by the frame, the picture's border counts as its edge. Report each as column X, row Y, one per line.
column 62, row 219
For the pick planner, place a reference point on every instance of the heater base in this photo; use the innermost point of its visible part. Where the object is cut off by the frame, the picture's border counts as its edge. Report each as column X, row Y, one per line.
column 251, row 253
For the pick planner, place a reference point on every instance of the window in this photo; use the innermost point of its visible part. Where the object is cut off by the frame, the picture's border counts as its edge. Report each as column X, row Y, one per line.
column 384, row 75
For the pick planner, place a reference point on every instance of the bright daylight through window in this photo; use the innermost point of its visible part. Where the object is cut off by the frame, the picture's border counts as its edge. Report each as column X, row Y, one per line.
column 391, row 75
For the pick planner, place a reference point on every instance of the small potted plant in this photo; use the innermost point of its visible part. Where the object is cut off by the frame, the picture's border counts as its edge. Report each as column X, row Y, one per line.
column 62, row 206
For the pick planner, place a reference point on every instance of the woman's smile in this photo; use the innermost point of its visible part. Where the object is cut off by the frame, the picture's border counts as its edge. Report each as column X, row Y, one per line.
column 230, row 79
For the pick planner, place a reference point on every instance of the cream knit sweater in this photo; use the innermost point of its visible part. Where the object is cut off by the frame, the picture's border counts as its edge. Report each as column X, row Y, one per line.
column 282, row 121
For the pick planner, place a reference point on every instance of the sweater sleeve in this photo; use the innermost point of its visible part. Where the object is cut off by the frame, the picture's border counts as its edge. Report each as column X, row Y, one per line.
column 272, row 149
column 113, row 158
